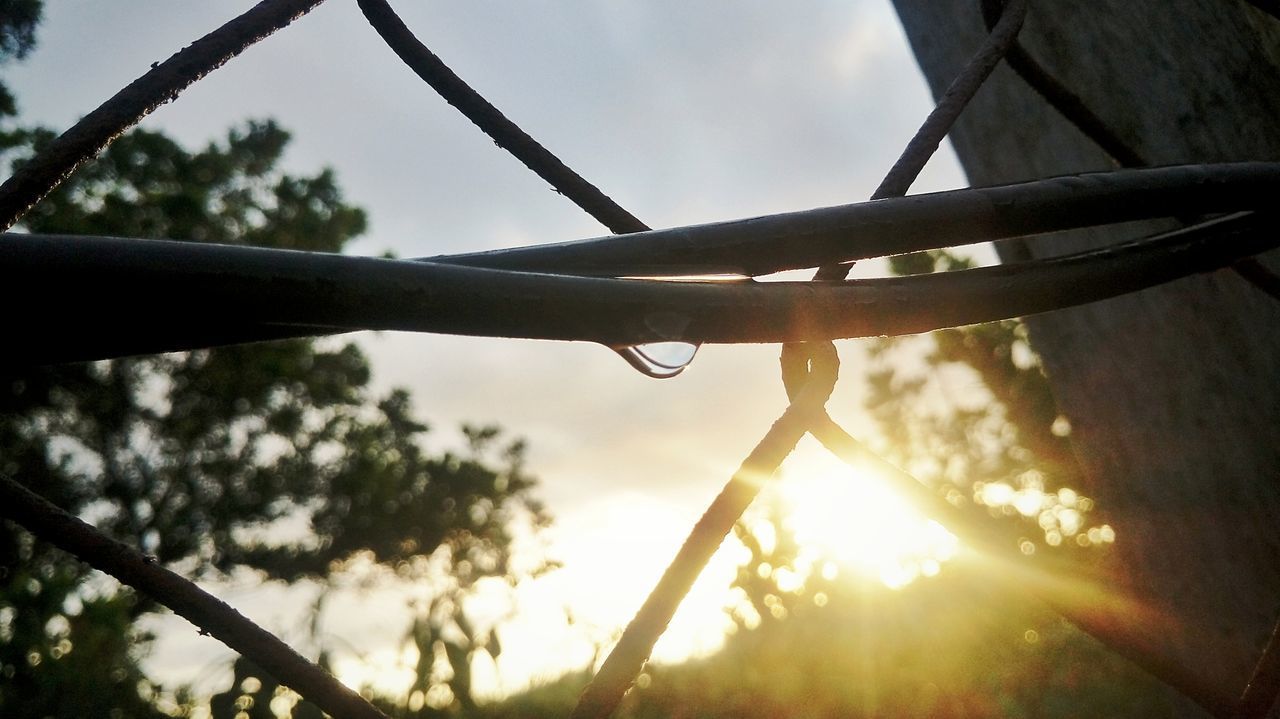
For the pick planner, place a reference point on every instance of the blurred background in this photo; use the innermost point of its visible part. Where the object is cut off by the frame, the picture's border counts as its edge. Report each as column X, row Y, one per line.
column 461, row 526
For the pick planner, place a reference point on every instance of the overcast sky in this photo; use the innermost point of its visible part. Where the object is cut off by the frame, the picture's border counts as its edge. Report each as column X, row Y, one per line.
column 682, row 112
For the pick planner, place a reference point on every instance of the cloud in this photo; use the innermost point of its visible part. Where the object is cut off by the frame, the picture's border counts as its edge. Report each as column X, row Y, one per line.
column 683, row 112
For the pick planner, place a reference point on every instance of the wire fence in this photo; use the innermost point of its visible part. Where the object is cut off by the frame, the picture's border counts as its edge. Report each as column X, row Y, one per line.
column 586, row 290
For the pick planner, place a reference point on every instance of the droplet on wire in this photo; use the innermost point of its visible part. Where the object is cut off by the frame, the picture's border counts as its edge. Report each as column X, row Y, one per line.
column 660, row 360
column 663, row 359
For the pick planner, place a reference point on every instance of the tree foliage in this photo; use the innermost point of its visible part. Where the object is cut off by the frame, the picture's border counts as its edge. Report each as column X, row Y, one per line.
column 276, row 457
column 837, row 645
column 969, row 411
column 18, row 20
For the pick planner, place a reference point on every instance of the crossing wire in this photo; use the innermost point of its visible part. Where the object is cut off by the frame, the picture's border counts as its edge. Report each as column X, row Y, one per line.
column 809, row 369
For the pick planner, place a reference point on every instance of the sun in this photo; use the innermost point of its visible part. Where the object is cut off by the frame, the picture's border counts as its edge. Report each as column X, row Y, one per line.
column 848, row 520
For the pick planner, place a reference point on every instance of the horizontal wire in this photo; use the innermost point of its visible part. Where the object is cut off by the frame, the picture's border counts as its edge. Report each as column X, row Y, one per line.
column 507, row 135
column 1076, row 111
column 152, row 295
column 627, row 658
column 796, row 240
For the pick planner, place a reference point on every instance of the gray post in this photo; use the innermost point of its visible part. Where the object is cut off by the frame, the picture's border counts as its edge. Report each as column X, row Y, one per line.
column 1173, row 394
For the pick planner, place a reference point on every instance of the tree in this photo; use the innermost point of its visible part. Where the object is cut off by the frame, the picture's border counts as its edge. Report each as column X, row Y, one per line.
column 810, row 641
column 18, row 20
column 1169, row 393
column 202, row 459
column 969, row 411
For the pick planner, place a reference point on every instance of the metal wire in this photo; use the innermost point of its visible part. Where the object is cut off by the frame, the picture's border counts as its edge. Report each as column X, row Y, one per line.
column 510, row 293
column 126, row 108
column 149, row 295
column 1264, row 686
column 1076, row 111
column 507, row 135
column 1003, row 35
column 627, row 658
column 898, row 225
column 185, row 598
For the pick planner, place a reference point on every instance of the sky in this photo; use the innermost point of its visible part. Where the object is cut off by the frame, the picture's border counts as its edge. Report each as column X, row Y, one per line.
column 682, row 112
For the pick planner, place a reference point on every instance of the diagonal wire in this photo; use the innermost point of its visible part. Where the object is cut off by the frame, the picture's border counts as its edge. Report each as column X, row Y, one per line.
column 1264, row 686
column 507, row 135
column 815, row 361
column 1003, row 36
column 1063, row 99
column 993, row 541
column 1075, row 110
column 53, row 164
column 214, row 617
column 493, row 123
column 628, row 656
column 925, row 142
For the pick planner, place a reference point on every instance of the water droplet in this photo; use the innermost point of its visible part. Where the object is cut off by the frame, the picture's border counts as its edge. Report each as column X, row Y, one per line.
column 665, row 358
column 660, row 360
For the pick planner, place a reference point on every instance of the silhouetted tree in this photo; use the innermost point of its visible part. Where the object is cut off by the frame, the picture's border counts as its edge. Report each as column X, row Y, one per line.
column 211, row 460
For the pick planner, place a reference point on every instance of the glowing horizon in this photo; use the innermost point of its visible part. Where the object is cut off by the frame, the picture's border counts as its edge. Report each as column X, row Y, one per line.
column 848, row 517
column 850, row 528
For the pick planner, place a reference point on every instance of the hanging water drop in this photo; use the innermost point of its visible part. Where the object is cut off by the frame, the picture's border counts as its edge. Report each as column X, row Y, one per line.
column 660, row 360
column 667, row 357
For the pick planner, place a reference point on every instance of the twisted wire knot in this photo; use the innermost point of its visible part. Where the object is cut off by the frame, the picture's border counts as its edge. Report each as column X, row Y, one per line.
column 809, row 372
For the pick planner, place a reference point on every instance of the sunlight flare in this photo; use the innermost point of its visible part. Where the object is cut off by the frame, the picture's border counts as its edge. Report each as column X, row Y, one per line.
column 848, row 519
